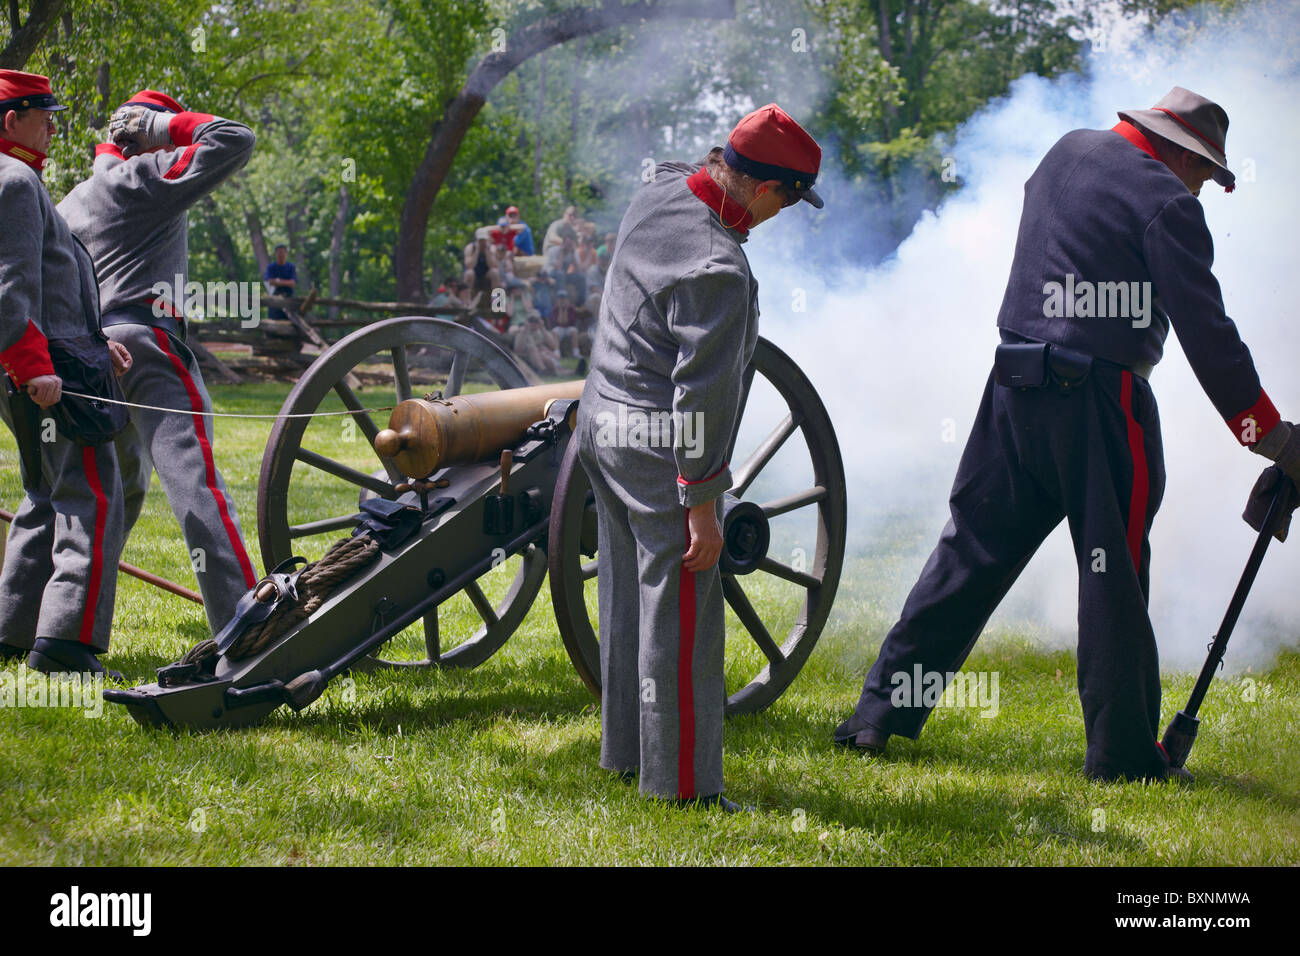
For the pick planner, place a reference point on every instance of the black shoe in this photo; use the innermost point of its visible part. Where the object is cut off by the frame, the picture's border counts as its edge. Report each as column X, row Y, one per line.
column 581, row 367
column 1180, row 774
column 713, row 800
column 67, row 657
column 860, row 735
column 9, row 652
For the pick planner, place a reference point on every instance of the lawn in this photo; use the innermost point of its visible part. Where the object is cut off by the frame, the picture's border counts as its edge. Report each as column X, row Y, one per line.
column 499, row 764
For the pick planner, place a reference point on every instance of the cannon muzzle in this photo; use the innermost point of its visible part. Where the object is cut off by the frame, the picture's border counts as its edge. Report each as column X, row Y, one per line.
column 424, row 435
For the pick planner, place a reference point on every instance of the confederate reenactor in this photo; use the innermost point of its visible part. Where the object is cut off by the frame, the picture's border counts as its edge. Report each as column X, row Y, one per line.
column 1068, row 425
column 677, row 327
column 131, row 215
column 60, row 569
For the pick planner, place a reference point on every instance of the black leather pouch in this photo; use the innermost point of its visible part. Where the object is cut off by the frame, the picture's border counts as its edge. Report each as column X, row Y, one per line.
column 1021, row 365
column 84, row 364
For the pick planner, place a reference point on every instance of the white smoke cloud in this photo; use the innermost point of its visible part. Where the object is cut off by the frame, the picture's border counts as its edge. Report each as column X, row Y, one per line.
column 902, row 351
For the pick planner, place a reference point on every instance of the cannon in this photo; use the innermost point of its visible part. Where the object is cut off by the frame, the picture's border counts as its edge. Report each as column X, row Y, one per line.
column 455, row 513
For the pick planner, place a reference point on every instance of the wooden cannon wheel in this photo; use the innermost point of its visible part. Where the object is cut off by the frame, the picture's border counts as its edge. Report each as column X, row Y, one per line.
column 307, row 496
column 759, row 666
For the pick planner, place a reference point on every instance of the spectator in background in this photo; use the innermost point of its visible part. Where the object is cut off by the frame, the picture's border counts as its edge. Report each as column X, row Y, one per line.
column 553, row 237
column 449, row 295
column 543, row 295
column 588, row 265
column 523, row 235
column 503, row 239
column 564, row 323
column 537, row 346
column 596, row 280
column 281, row 279
column 482, row 268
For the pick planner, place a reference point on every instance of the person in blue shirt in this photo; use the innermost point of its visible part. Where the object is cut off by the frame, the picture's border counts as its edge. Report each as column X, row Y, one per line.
column 281, row 277
column 523, row 235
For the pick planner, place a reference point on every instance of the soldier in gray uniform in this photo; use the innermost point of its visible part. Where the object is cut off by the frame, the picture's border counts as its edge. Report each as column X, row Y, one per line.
column 131, row 215
column 678, row 324
column 60, row 570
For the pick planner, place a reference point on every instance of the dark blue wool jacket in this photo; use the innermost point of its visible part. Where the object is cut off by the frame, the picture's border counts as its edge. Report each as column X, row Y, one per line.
column 1112, row 250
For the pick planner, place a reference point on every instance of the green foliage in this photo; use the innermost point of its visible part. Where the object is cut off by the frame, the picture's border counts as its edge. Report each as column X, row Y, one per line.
column 347, row 93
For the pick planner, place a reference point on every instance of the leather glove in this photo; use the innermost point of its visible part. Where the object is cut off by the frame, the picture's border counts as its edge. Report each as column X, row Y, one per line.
column 1261, row 497
column 1282, row 445
column 138, row 129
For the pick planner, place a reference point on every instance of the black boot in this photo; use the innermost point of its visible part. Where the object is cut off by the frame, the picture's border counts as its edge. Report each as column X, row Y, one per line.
column 67, row 657
column 711, row 801
column 8, row 652
column 860, row 735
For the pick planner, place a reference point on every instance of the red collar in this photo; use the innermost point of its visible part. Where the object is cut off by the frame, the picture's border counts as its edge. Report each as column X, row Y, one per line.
column 31, row 157
column 710, row 193
column 1134, row 136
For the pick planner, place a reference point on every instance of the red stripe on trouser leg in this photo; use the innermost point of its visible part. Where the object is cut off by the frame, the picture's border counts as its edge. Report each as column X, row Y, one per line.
column 91, row 467
column 1137, row 509
column 685, row 690
column 209, row 466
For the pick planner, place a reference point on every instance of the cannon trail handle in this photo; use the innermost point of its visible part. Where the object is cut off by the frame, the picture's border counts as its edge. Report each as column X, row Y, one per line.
column 1181, row 732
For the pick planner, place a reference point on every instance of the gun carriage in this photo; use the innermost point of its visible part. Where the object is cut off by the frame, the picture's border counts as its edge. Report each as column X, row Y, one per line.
column 472, row 499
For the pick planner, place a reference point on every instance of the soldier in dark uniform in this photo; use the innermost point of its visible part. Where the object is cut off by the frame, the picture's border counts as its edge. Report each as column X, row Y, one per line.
column 1113, row 249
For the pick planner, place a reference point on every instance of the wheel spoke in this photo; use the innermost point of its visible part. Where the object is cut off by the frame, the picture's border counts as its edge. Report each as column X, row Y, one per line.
column 481, row 603
column 747, row 472
column 589, row 570
column 367, row 425
column 784, row 571
column 792, row 502
column 736, row 597
column 456, row 376
column 340, row 470
column 320, row 527
column 401, row 373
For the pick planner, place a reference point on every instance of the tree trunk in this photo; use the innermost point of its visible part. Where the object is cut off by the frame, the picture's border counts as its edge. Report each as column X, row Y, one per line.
column 103, row 87
column 23, row 41
column 293, row 227
column 223, row 246
column 574, row 97
column 448, row 131
column 258, row 238
column 541, row 114
column 336, row 248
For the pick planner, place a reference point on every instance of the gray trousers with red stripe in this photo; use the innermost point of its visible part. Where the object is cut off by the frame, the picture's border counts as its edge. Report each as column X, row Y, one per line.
column 1094, row 457
column 60, row 565
column 661, row 627
column 165, row 373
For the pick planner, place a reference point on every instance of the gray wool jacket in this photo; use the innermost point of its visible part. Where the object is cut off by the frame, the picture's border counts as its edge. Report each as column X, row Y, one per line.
column 678, row 323
column 47, row 283
column 131, row 213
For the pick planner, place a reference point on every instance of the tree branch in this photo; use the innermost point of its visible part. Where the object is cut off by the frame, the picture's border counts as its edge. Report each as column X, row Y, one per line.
column 41, row 15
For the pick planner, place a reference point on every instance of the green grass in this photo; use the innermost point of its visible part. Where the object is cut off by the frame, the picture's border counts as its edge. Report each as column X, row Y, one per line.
column 499, row 764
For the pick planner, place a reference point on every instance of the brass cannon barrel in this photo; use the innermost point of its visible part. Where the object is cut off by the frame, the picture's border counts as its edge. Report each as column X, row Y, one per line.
column 425, row 435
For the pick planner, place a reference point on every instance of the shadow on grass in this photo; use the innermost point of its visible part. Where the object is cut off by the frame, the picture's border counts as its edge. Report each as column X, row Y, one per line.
column 541, row 688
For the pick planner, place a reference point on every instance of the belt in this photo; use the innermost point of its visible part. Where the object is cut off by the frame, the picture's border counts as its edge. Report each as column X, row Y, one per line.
column 143, row 315
column 1142, row 370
